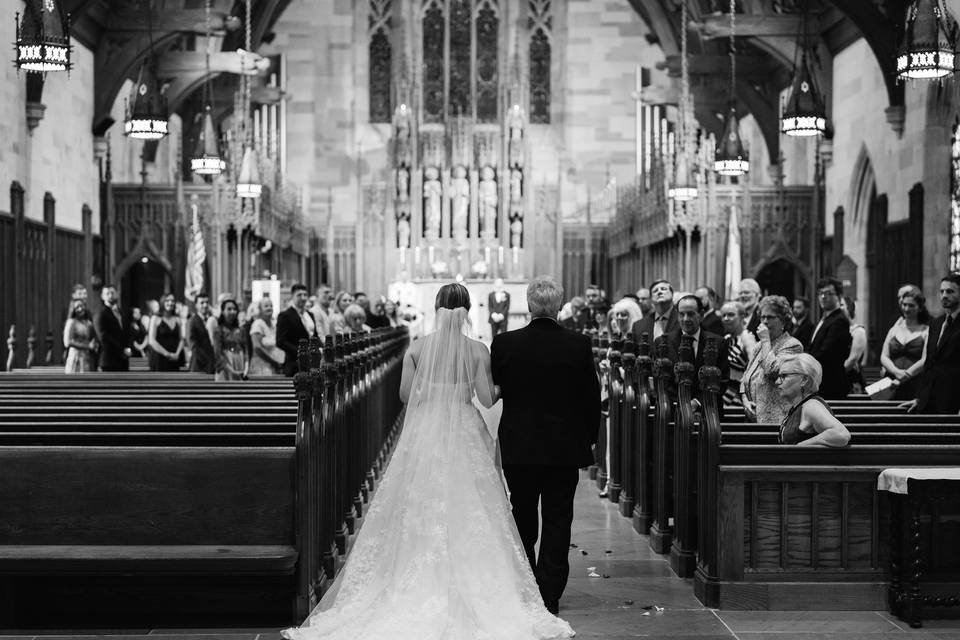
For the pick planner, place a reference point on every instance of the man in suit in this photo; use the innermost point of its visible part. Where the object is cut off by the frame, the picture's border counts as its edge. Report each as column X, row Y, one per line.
column 551, row 418
column 202, row 359
column 689, row 315
column 711, row 317
column 749, row 295
column 112, row 333
column 831, row 340
column 498, row 304
column 937, row 391
column 803, row 328
column 321, row 310
column 294, row 324
column 664, row 317
column 595, row 305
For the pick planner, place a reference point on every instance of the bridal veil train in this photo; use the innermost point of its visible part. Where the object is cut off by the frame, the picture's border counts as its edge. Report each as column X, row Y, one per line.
column 438, row 556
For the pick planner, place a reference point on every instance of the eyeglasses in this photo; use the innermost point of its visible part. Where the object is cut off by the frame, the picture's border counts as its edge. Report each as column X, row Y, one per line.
column 826, row 294
column 765, row 318
column 783, row 376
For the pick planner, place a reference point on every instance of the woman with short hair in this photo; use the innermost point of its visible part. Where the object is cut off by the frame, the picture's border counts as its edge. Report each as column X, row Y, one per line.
column 625, row 312
column 809, row 422
column 758, row 392
column 354, row 317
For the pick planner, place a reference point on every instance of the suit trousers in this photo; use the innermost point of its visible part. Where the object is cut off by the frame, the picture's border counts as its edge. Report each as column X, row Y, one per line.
column 553, row 490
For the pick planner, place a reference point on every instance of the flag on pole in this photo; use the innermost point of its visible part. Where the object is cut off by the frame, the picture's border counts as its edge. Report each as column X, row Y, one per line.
column 196, row 255
column 732, row 272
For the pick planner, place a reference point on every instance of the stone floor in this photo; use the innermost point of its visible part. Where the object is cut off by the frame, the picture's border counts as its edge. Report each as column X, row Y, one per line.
column 632, row 594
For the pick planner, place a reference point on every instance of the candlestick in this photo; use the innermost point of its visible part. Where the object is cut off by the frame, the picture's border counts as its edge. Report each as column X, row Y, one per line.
column 403, row 256
column 416, row 255
column 430, row 254
column 486, row 254
column 516, row 255
column 500, row 255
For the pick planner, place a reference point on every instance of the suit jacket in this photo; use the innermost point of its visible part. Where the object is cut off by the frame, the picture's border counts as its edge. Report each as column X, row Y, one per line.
column 499, row 307
column 114, row 338
column 754, row 321
column 673, row 349
column 937, row 392
column 711, row 322
column 202, row 359
column 804, row 332
column 831, row 346
column 645, row 325
column 290, row 331
column 551, row 395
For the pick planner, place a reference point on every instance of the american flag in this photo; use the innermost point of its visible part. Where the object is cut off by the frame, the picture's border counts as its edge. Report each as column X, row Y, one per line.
column 196, row 255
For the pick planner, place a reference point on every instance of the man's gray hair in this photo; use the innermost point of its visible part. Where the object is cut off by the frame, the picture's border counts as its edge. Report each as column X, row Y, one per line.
column 544, row 297
column 749, row 284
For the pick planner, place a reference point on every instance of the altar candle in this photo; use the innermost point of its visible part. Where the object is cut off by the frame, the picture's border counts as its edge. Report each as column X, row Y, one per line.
column 403, row 255
column 486, row 254
column 516, row 255
column 416, row 255
column 430, row 254
column 500, row 255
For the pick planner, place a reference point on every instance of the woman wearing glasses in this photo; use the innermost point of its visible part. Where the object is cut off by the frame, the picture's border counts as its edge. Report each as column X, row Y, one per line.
column 758, row 391
column 809, row 422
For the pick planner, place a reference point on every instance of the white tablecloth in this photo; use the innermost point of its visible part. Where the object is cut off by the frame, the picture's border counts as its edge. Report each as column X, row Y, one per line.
column 895, row 480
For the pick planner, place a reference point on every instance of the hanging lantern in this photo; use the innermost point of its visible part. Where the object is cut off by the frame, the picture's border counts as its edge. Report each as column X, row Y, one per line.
column 147, row 115
column 805, row 113
column 684, row 186
column 43, row 38
column 731, row 159
column 927, row 50
column 206, row 160
column 248, row 183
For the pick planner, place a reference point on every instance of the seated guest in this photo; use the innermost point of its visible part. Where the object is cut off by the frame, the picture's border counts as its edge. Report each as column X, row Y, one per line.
column 831, row 340
column 625, row 313
column 740, row 346
column 758, row 392
column 266, row 357
column 354, row 316
column 809, row 422
column 228, row 347
column 902, row 354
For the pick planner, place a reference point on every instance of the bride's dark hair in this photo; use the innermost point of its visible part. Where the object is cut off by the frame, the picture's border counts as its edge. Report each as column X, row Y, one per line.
column 453, row 296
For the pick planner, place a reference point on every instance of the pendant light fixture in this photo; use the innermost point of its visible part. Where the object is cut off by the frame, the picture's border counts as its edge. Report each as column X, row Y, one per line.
column 146, row 115
column 43, row 37
column 248, row 182
column 805, row 113
column 684, row 181
column 206, row 160
column 731, row 159
column 928, row 50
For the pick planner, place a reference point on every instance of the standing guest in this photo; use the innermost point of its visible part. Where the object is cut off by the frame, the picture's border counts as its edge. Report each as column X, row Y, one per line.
column 321, row 310
column 294, row 324
column 902, row 354
column 570, row 312
column 711, row 319
column 749, row 294
column 689, row 317
column 803, row 327
column 79, row 338
column 377, row 318
column 643, row 299
column 355, row 317
column 166, row 337
column 390, row 308
column 809, row 421
column 596, row 306
column 759, row 395
column 626, row 313
column 363, row 301
column 937, row 392
column 342, row 300
column 498, row 304
column 266, row 358
column 202, row 358
column 663, row 319
column 228, row 348
column 740, row 347
column 853, row 365
column 113, row 336
column 831, row 340
column 138, row 333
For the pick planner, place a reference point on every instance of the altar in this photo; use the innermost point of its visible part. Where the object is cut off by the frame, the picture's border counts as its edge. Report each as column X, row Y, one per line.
column 422, row 295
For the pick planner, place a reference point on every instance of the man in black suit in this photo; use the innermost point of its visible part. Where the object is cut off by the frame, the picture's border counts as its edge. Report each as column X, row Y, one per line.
column 112, row 333
column 689, row 314
column 551, row 418
column 498, row 304
column 664, row 317
column 202, row 359
column 749, row 296
column 711, row 318
column 596, row 306
column 831, row 340
column 937, row 391
column 294, row 324
column 803, row 328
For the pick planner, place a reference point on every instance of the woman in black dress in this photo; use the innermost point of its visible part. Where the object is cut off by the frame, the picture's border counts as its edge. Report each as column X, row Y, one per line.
column 809, row 422
column 902, row 355
column 166, row 337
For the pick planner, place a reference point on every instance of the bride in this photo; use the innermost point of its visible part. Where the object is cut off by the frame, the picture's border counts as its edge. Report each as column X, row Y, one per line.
column 438, row 556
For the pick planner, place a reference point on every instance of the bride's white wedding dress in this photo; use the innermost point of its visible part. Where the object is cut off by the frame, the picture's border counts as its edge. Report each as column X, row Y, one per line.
column 438, row 556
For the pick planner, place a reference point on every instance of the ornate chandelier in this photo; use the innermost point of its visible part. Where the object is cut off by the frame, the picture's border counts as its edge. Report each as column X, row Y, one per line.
column 248, row 182
column 43, row 37
column 684, row 181
column 731, row 159
column 928, row 50
column 206, row 160
column 146, row 110
column 805, row 113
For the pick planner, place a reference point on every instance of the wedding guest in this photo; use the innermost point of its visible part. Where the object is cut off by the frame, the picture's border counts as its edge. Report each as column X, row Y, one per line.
column 831, row 340
column 626, row 312
column 689, row 314
column 321, row 310
column 390, row 313
column 711, row 319
column 809, row 421
column 592, row 314
column 853, row 365
column 663, row 319
column 112, row 334
column 643, row 299
column 902, row 354
column 377, row 318
column 749, row 295
column 138, row 333
column 354, row 316
column 937, row 391
column 740, row 347
column 341, row 301
column 802, row 326
column 166, row 337
column 79, row 338
column 498, row 304
column 231, row 360
column 759, row 395
column 294, row 323
column 202, row 358
column 266, row 358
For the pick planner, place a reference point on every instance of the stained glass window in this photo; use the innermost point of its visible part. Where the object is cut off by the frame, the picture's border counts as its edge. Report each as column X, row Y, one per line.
column 433, row 33
column 487, row 29
column 540, row 23
column 955, row 200
column 381, row 57
column 460, row 19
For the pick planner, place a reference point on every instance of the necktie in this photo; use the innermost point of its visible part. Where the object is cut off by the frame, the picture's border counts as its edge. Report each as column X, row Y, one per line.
column 943, row 331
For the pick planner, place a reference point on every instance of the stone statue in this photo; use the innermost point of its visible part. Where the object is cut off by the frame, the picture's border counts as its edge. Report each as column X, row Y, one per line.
column 401, row 135
column 432, row 192
column 515, row 125
column 516, row 231
column 403, row 231
column 403, row 184
column 487, row 193
column 460, row 202
column 516, row 186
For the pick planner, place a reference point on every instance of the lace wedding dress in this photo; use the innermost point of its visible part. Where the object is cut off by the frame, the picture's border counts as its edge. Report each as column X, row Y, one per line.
column 438, row 556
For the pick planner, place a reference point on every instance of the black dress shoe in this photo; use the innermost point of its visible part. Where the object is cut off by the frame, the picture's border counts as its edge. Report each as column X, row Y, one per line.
column 553, row 607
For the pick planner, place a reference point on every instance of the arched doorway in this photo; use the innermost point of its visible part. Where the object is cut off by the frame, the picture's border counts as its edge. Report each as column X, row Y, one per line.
column 778, row 278
column 145, row 280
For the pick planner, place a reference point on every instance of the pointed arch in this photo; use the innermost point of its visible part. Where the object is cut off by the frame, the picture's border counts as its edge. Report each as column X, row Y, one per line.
column 862, row 191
